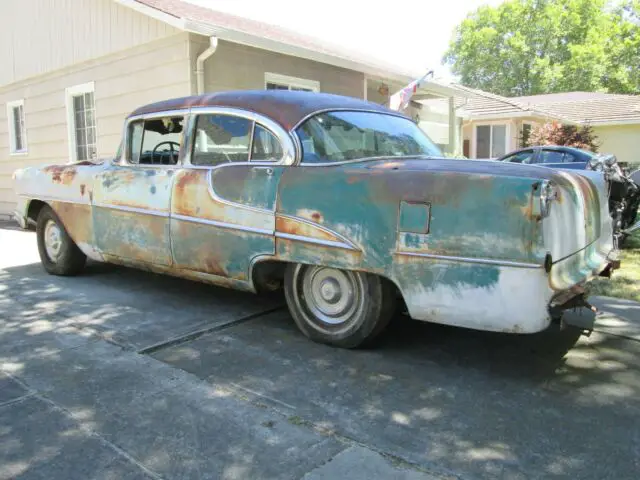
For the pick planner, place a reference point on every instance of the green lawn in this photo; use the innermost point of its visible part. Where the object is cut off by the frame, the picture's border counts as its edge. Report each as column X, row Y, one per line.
column 625, row 282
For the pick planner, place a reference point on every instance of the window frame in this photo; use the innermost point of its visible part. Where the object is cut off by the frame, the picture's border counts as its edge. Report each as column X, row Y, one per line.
column 12, row 130
column 70, row 94
column 542, row 152
column 296, row 82
column 530, row 125
column 289, row 156
column 508, row 158
column 253, row 122
column 507, row 136
column 125, row 158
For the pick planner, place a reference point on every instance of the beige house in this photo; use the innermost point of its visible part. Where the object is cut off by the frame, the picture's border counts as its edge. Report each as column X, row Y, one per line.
column 495, row 125
column 73, row 69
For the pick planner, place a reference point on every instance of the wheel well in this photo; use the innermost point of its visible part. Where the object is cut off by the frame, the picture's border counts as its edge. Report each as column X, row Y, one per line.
column 268, row 275
column 34, row 210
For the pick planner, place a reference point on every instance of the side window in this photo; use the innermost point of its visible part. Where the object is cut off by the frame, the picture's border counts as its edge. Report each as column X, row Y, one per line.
column 155, row 141
column 221, row 139
column 521, row 157
column 551, row 156
column 570, row 158
column 265, row 147
column 135, row 141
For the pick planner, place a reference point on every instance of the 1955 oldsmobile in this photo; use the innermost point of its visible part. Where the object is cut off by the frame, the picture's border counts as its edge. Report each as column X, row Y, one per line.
column 346, row 204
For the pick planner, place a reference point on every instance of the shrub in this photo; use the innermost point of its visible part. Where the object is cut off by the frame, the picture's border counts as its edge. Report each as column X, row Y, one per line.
column 555, row 133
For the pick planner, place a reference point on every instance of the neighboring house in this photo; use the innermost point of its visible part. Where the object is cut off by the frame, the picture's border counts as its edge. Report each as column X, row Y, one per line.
column 495, row 125
column 73, row 69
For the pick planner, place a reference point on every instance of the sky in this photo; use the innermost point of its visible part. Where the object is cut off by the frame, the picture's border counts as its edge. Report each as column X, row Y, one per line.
column 411, row 33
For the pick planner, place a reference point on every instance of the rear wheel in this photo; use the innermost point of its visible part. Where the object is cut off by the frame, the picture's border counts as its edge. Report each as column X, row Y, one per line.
column 338, row 307
column 58, row 253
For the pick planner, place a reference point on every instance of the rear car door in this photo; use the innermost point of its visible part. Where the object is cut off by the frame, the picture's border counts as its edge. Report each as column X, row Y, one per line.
column 132, row 198
column 551, row 158
column 224, row 198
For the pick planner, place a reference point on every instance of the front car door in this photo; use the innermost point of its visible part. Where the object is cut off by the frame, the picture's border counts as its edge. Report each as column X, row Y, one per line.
column 224, row 198
column 132, row 198
column 523, row 156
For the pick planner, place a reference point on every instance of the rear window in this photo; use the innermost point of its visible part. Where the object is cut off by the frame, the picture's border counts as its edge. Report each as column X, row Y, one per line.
column 350, row 135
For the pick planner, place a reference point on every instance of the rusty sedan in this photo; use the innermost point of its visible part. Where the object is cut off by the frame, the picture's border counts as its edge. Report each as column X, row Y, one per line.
column 345, row 204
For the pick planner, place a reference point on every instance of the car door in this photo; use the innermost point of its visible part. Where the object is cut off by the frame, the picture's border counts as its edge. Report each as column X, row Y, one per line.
column 224, row 199
column 574, row 161
column 132, row 198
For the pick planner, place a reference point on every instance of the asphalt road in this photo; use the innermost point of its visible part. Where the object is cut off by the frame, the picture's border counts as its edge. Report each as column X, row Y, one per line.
column 167, row 378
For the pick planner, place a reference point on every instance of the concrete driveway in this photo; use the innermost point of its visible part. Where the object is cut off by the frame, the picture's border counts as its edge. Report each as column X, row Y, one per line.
column 125, row 374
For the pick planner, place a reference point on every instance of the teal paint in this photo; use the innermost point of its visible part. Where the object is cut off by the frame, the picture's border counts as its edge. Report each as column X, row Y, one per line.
column 414, row 217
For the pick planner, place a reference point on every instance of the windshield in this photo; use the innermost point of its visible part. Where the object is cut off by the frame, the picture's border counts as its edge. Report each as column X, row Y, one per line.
column 339, row 136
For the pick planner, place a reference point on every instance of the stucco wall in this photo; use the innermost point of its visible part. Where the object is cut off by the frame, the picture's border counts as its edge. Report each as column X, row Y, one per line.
column 621, row 140
column 123, row 81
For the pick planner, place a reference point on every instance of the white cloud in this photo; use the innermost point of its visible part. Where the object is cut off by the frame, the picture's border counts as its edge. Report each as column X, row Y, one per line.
column 413, row 33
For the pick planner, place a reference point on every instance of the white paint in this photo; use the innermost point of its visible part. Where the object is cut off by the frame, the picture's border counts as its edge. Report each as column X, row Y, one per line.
column 516, row 303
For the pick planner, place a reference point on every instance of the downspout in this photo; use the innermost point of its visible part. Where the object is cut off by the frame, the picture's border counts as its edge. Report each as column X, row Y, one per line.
column 213, row 45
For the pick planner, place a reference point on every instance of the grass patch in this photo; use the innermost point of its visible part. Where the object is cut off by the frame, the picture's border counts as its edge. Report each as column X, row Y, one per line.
column 625, row 282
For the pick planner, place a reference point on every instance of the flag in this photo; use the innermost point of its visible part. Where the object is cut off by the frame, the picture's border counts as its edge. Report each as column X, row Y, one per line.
column 400, row 100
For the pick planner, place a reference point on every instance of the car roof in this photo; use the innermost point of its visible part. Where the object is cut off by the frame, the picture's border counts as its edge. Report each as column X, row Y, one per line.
column 285, row 107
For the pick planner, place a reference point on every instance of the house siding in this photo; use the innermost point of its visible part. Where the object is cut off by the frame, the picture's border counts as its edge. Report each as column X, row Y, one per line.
column 620, row 140
column 240, row 67
column 66, row 32
column 123, row 81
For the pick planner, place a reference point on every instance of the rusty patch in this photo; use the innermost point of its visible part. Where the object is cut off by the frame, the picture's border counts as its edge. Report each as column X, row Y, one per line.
column 61, row 174
column 82, row 189
column 190, row 190
column 76, row 219
column 295, row 227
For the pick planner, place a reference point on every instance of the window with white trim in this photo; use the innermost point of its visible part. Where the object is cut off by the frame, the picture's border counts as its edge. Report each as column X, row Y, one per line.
column 491, row 140
column 81, row 121
column 17, row 131
column 275, row 81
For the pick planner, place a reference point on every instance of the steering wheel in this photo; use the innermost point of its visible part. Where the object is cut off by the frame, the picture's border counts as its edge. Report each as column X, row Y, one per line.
column 171, row 149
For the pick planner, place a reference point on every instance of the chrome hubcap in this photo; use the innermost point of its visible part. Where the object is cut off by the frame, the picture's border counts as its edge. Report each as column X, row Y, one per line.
column 52, row 240
column 332, row 295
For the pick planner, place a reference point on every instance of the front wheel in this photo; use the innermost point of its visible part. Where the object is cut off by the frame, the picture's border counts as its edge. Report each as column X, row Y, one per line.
column 58, row 253
column 338, row 307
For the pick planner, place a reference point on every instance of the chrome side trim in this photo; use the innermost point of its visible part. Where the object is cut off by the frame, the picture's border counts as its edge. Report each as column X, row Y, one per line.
column 229, row 226
column 361, row 160
column 343, row 240
column 482, row 261
column 219, row 199
column 123, row 208
column 317, row 241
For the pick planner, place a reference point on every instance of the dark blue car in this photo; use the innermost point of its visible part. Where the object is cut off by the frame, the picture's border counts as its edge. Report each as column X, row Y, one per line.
column 551, row 156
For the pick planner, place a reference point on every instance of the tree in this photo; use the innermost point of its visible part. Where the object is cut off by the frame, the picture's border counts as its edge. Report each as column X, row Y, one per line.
column 554, row 133
column 528, row 47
